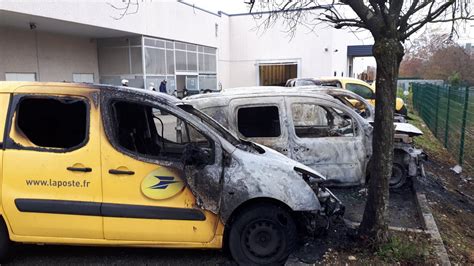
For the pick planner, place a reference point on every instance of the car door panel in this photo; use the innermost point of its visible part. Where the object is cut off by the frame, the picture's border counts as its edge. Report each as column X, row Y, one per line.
column 341, row 158
column 278, row 143
column 46, row 190
column 150, row 199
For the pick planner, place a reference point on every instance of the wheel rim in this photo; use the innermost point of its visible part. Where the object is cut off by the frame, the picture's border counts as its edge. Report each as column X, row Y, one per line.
column 262, row 240
column 398, row 176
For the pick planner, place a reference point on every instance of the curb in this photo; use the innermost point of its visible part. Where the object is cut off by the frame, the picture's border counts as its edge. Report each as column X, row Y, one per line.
column 431, row 228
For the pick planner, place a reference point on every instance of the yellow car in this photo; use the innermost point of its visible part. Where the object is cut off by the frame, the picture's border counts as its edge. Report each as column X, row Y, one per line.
column 86, row 164
column 357, row 86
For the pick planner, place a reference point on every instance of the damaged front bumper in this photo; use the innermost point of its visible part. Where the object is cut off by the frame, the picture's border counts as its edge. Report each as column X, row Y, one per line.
column 330, row 204
column 413, row 158
column 315, row 223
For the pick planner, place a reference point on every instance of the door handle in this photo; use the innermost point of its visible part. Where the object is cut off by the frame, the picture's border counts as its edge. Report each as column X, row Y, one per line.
column 79, row 169
column 121, row 172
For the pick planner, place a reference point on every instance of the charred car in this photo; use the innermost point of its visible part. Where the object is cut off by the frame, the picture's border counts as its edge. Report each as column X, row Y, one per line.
column 101, row 165
column 357, row 86
column 318, row 127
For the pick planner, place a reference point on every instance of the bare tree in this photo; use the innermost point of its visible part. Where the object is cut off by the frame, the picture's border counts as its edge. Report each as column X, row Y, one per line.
column 391, row 23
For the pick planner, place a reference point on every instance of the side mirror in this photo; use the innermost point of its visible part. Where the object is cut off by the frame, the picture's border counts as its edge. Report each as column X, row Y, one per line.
column 195, row 155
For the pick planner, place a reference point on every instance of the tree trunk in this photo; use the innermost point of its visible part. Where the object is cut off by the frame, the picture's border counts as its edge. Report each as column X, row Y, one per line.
column 388, row 53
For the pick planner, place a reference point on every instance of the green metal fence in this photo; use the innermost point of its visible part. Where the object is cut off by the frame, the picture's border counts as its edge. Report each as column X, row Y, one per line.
column 449, row 113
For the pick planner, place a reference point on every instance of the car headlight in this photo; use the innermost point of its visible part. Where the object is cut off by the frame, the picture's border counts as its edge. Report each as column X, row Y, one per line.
column 310, row 176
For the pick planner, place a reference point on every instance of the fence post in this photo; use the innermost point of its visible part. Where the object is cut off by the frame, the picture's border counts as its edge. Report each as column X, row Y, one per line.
column 463, row 127
column 437, row 110
column 446, row 130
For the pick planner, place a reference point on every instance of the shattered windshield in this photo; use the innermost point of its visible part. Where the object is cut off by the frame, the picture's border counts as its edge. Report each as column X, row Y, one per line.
column 222, row 131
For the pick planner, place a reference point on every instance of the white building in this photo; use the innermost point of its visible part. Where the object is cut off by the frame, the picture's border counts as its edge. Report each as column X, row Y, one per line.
column 188, row 46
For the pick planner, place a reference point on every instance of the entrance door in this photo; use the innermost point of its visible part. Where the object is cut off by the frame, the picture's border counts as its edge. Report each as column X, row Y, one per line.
column 192, row 85
column 186, row 85
column 51, row 166
column 146, row 193
column 277, row 74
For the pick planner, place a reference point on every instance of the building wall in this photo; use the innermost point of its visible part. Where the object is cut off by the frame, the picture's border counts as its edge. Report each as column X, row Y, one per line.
column 162, row 19
column 320, row 52
column 53, row 57
column 241, row 45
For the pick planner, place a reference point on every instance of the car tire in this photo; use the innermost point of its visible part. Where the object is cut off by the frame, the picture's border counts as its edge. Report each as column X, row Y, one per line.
column 262, row 234
column 5, row 243
column 403, row 111
column 399, row 176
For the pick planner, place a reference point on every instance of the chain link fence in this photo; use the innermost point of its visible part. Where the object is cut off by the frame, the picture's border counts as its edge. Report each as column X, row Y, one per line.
column 449, row 113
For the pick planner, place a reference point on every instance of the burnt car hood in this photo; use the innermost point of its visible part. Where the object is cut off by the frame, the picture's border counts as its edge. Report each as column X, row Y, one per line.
column 406, row 128
column 276, row 156
column 269, row 174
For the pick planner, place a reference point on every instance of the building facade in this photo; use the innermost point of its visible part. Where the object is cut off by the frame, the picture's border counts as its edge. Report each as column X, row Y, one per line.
column 163, row 40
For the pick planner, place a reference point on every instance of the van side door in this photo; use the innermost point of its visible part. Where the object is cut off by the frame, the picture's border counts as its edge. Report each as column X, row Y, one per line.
column 262, row 120
column 146, row 178
column 328, row 138
column 51, row 167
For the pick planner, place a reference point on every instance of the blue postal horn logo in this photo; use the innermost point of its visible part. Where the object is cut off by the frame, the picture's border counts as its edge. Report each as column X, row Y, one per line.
column 159, row 185
column 163, row 182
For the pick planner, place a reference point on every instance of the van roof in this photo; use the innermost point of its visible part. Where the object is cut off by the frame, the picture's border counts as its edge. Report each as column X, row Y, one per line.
column 12, row 86
column 263, row 91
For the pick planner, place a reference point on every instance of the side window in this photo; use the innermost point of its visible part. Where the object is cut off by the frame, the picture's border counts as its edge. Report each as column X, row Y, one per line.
column 316, row 121
column 53, row 123
column 262, row 121
column 361, row 90
column 154, row 133
column 304, row 82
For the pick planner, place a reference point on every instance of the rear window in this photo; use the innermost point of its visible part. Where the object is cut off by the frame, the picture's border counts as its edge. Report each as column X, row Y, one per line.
column 50, row 122
column 259, row 121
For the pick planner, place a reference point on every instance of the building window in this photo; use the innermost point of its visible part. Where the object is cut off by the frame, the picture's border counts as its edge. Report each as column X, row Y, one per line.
column 207, row 83
column 83, row 77
column 207, row 59
column 258, row 122
column 20, row 76
column 155, row 61
column 50, row 123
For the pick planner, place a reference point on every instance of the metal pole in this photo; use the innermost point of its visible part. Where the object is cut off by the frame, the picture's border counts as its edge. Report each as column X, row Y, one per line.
column 437, row 111
column 463, row 127
column 446, row 129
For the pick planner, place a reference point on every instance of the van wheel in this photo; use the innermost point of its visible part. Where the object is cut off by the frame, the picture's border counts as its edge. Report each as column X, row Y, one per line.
column 399, row 176
column 263, row 234
column 5, row 243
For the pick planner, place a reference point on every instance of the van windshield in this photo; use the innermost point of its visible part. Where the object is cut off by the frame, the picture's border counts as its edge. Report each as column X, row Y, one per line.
column 222, row 131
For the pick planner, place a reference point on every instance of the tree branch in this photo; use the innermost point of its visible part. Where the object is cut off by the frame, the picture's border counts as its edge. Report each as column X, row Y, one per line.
column 431, row 16
column 125, row 10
